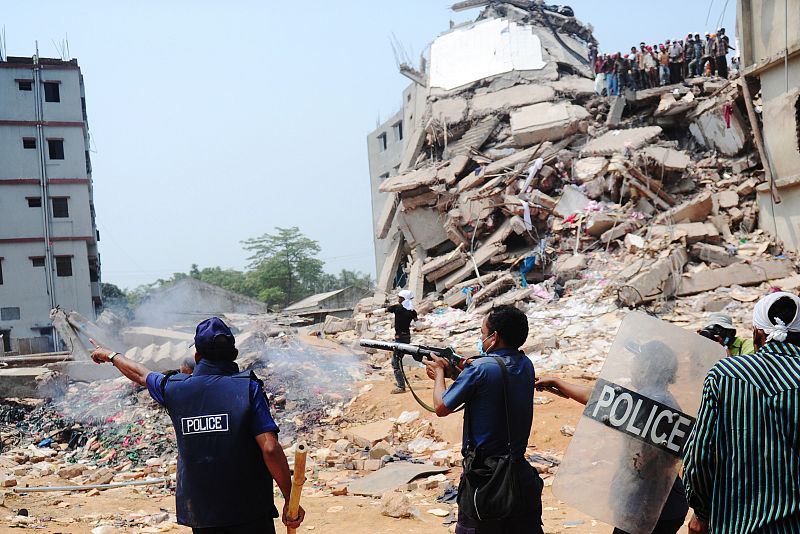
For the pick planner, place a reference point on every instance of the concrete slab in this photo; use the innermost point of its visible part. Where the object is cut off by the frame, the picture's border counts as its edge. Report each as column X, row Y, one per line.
column 409, row 180
column 710, row 129
column 574, row 85
column 619, row 140
column 450, row 110
column 423, row 227
column 714, row 254
column 391, row 477
column 670, row 159
column 475, row 137
column 586, row 169
column 144, row 335
column 513, row 97
column 695, row 210
column 369, row 434
column 659, row 279
column 85, row 371
column 615, row 113
column 545, row 122
column 22, row 382
column 571, row 201
column 742, row 274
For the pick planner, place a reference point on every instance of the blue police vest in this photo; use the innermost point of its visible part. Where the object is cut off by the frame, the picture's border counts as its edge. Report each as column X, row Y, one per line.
column 222, row 478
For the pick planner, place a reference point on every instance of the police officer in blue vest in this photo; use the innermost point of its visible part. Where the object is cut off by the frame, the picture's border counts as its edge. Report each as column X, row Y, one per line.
column 228, row 450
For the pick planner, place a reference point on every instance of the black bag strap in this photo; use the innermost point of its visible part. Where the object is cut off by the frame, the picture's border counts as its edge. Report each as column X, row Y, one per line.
column 504, row 370
column 467, row 426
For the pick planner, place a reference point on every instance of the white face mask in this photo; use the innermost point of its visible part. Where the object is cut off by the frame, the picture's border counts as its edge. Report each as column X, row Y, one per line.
column 481, row 350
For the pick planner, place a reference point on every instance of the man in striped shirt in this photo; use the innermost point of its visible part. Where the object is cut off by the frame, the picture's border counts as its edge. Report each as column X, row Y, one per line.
column 742, row 461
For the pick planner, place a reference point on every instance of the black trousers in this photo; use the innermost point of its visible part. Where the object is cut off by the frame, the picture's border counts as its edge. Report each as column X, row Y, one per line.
column 722, row 66
column 664, row 526
column 397, row 361
column 262, row 526
column 528, row 524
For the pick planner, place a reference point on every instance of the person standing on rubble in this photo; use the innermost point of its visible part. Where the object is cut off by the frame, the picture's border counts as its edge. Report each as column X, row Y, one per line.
column 742, row 458
column 663, row 60
column 696, row 65
column 722, row 46
column 496, row 389
column 710, row 53
column 720, row 329
column 404, row 315
column 228, row 450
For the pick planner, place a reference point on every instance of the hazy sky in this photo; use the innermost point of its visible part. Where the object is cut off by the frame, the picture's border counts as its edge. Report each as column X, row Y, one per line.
column 213, row 122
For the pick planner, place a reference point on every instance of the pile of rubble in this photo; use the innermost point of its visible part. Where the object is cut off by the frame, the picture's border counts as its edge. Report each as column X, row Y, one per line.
column 515, row 182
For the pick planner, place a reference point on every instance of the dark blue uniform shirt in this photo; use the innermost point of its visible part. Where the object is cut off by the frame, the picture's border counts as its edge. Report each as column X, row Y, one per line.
column 261, row 419
column 481, row 385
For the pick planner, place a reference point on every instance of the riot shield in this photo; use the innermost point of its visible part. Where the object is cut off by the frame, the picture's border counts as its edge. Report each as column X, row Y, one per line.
column 626, row 452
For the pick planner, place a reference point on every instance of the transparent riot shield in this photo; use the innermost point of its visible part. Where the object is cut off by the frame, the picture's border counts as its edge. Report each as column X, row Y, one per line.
column 625, row 455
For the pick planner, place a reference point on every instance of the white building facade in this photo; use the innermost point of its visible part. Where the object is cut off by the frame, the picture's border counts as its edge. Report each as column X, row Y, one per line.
column 48, row 236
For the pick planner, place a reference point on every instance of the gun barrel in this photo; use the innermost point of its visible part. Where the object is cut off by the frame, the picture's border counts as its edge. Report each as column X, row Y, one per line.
column 387, row 345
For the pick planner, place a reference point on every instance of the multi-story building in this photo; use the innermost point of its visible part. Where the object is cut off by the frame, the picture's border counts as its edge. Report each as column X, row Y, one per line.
column 48, row 236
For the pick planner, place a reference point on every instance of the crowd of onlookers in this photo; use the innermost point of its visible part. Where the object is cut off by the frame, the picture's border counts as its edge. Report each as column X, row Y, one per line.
column 667, row 63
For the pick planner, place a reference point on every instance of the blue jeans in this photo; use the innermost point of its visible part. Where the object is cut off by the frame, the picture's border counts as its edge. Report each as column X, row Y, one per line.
column 612, row 85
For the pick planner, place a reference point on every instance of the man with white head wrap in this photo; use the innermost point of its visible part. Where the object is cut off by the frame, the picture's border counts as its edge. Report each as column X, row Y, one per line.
column 404, row 315
column 742, row 460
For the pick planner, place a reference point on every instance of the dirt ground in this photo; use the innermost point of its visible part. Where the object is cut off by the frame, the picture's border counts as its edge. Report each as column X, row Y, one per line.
column 328, row 514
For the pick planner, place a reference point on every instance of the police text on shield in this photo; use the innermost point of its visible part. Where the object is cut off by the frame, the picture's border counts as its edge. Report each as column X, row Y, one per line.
column 639, row 416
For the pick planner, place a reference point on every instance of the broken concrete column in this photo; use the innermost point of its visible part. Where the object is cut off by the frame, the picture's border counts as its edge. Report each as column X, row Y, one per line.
column 661, row 279
column 615, row 113
column 387, row 216
column 385, row 280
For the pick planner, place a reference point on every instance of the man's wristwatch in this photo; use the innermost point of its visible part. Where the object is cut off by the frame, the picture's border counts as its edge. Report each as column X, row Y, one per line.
column 112, row 356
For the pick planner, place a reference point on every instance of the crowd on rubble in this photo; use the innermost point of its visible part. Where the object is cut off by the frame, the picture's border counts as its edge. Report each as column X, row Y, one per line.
column 667, row 63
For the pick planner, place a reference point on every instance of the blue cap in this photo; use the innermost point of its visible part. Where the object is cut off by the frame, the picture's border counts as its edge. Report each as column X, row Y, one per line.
column 209, row 330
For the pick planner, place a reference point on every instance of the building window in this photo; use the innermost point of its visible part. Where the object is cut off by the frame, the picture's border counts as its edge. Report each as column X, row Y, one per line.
column 28, row 142
column 9, row 314
column 64, row 265
column 37, row 261
column 1, row 272
column 382, row 142
column 25, row 85
column 60, row 207
column 35, row 202
column 55, row 147
column 51, row 92
column 398, row 131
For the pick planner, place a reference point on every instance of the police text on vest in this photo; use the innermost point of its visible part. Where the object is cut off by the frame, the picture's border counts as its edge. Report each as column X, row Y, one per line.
column 639, row 416
column 204, row 423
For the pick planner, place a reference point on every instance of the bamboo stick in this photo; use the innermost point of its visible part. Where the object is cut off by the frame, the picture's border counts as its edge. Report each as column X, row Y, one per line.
column 298, row 480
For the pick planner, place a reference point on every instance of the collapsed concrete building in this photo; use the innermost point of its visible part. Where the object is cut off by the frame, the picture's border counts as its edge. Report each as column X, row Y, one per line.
column 505, row 168
column 769, row 37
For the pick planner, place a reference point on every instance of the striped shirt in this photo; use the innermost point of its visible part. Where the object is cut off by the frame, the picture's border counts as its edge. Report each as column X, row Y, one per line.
column 742, row 461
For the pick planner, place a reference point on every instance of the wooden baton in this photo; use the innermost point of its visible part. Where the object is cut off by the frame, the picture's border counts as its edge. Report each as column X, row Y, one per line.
column 298, row 480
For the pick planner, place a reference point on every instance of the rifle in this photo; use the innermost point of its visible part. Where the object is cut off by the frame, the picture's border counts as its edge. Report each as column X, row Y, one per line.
column 419, row 352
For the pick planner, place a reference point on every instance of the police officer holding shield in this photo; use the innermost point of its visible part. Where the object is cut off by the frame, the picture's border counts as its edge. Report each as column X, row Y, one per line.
column 228, row 450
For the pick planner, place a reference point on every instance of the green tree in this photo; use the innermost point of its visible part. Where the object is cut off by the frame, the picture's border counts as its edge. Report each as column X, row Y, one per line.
column 285, row 260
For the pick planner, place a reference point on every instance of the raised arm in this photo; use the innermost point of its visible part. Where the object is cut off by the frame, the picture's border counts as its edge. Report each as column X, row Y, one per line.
column 562, row 388
column 135, row 372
